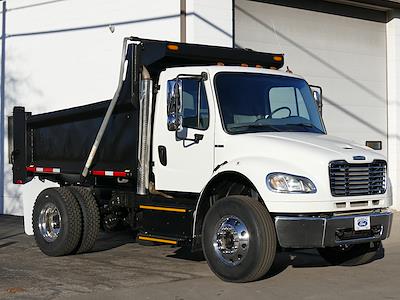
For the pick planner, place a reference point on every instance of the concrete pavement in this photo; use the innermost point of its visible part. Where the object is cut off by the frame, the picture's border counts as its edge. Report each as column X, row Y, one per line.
column 119, row 268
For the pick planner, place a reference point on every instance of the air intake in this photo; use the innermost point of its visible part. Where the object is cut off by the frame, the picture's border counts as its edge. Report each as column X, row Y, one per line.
column 357, row 179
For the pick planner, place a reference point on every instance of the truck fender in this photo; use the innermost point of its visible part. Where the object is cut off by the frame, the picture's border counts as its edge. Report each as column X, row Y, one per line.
column 238, row 170
column 203, row 203
column 249, row 170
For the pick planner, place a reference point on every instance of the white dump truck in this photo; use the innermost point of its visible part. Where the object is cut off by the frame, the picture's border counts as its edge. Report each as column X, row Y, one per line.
column 204, row 147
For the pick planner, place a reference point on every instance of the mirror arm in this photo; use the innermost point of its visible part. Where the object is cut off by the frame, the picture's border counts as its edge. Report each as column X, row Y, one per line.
column 197, row 137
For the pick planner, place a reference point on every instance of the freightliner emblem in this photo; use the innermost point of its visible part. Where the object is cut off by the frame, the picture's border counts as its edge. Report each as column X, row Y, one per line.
column 359, row 157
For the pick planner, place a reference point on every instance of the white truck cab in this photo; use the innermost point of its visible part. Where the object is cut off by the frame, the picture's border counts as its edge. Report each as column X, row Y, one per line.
column 255, row 143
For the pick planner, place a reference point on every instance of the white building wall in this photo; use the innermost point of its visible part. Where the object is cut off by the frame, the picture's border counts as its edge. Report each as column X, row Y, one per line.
column 393, row 85
column 209, row 22
column 62, row 54
column 1, row 83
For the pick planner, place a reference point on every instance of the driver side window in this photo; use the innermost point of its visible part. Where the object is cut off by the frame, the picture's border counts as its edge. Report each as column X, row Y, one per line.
column 290, row 100
column 194, row 104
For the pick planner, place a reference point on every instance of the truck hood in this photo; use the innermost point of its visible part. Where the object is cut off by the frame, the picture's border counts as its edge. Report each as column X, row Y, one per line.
column 255, row 155
column 301, row 147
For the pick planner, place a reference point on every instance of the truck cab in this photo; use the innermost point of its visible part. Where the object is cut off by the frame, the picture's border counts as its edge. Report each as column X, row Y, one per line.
column 233, row 159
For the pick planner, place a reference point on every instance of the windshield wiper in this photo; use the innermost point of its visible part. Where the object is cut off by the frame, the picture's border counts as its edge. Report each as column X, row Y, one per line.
column 307, row 125
column 255, row 126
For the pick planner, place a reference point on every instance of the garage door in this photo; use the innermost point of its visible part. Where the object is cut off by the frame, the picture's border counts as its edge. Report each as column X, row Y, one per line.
column 344, row 55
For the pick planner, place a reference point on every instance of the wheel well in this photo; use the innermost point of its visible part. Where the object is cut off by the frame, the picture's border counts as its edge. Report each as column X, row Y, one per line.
column 221, row 186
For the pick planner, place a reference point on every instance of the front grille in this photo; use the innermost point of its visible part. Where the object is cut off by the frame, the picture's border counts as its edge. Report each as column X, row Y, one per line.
column 357, row 179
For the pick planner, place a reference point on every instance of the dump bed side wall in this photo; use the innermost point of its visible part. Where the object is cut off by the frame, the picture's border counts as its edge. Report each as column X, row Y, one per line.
column 66, row 142
column 63, row 139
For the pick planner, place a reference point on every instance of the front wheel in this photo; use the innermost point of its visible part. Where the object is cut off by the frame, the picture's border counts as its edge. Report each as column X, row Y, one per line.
column 350, row 255
column 239, row 240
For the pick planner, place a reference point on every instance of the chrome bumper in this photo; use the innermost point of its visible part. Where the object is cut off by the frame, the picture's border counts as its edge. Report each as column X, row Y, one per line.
column 317, row 232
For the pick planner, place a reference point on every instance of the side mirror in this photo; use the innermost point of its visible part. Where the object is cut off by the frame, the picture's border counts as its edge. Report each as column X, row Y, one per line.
column 317, row 94
column 174, row 105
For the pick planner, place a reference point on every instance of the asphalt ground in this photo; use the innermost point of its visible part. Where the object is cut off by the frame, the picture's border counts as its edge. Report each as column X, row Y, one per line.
column 119, row 268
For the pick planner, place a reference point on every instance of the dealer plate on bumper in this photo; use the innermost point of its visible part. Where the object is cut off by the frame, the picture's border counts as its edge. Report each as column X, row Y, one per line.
column 362, row 223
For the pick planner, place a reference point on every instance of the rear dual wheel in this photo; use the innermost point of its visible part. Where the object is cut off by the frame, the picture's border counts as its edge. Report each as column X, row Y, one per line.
column 57, row 221
column 90, row 218
column 65, row 220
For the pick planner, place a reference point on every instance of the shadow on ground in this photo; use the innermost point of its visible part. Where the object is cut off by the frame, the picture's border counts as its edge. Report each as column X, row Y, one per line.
column 10, row 227
column 304, row 258
column 110, row 240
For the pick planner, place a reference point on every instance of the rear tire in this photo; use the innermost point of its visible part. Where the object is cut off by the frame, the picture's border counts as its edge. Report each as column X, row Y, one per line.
column 56, row 221
column 351, row 255
column 90, row 218
column 239, row 240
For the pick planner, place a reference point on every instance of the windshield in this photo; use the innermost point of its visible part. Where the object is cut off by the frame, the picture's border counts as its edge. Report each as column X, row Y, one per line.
column 251, row 102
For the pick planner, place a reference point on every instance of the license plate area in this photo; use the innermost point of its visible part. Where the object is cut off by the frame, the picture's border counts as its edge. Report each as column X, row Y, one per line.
column 341, row 230
column 362, row 223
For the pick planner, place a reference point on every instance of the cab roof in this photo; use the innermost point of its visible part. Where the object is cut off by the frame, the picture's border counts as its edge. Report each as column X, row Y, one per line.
column 214, row 69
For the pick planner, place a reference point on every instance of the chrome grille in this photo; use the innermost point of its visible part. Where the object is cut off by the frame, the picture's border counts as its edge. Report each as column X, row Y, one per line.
column 357, row 179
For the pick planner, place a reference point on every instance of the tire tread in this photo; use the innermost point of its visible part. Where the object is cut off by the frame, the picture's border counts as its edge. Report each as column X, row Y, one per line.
column 90, row 218
column 270, row 242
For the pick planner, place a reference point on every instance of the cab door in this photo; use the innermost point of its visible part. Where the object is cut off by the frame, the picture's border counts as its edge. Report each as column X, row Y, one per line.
column 180, row 162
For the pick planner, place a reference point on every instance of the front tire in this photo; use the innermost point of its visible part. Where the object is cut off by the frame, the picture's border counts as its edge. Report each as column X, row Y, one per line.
column 350, row 255
column 56, row 221
column 239, row 240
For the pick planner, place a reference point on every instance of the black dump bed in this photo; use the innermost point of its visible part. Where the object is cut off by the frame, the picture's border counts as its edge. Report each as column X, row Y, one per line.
column 56, row 145
column 63, row 139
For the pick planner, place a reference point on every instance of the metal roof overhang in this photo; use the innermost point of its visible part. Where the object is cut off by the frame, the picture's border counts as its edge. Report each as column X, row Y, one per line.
column 371, row 10
column 382, row 5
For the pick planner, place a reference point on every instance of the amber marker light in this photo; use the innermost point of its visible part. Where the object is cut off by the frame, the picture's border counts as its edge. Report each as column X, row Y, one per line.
column 172, row 47
column 278, row 58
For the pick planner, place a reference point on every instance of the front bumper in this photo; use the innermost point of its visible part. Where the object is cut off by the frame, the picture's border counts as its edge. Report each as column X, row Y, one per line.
column 317, row 232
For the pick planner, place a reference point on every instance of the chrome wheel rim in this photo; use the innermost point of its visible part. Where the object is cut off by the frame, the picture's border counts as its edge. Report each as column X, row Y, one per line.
column 50, row 222
column 231, row 240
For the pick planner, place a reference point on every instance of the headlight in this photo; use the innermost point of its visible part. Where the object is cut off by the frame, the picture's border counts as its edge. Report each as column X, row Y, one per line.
column 286, row 183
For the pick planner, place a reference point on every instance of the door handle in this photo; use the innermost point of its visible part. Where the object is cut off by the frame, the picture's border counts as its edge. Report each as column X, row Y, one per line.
column 162, row 155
